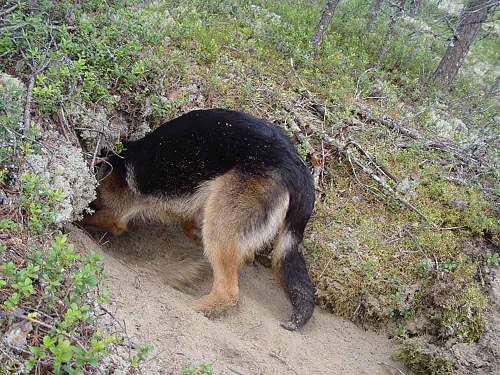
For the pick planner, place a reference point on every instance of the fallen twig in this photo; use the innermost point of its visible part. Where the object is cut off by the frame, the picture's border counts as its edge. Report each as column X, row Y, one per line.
column 343, row 149
column 8, row 10
column 377, row 163
column 310, row 150
column 92, row 164
column 383, row 364
column 27, row 103
column 278, row 357
column 369, row 117
column 29, row 94
column 52, row 328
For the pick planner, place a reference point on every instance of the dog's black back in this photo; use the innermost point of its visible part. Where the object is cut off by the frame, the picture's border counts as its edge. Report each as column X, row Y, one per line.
column 204, row 144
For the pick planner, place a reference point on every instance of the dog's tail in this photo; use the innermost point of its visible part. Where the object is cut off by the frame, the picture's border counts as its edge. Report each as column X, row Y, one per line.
column 288, row 259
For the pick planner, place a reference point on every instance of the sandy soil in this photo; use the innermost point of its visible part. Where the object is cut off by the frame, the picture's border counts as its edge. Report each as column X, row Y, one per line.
column 155, row 274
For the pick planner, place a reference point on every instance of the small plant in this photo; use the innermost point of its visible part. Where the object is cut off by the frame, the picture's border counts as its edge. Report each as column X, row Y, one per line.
column 492, row 259
column 118, row 148
column 62, row 280
column 448, row 265
column 39, row 202
column 141, row 353
column 302, row 150
column 203, row 369
column 8, row 224
column 422, row 361
column 424, row 266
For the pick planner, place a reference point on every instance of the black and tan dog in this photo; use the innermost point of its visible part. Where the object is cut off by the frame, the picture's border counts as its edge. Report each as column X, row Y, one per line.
column 239, row 177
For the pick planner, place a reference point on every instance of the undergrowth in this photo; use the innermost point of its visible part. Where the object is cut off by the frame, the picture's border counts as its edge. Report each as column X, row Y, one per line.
column 49, row 295
column 420, row 361
column 372, row 260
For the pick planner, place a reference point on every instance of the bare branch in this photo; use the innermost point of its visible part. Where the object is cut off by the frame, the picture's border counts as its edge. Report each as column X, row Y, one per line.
column 8, row 10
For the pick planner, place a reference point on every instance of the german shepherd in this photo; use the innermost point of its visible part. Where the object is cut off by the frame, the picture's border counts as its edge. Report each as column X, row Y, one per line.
column 239, row 177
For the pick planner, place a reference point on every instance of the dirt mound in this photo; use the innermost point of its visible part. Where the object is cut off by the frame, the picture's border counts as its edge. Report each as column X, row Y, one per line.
column 155, row 274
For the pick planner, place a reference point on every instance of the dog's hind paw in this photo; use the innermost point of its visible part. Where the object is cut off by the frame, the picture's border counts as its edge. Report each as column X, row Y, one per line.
column 213, row 306
column 289, row 326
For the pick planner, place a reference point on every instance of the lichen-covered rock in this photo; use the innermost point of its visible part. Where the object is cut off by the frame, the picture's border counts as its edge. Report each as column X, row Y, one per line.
column 97, row 128
column 62, row 166
column 12, row 92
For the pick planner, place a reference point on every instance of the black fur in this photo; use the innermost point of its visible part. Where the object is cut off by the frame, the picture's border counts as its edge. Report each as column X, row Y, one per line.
column 177, row 157
column 204, row 144
column 298, row 287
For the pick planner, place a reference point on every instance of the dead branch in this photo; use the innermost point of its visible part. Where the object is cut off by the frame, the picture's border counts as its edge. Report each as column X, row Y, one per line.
column 310, row 150
column 15, row 27
column 35, row 71
column 62, row 121
column 368, row 117
column 27, row 103
column 343, row 150
column 52, row 328
column 373, row 159
column 8, row 10
column 92, row 164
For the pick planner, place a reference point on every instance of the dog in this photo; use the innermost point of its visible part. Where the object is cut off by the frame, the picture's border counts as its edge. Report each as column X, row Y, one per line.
column 239, row 177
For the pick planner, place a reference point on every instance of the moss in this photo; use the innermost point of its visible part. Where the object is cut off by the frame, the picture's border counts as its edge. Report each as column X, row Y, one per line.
column 463, row 316
column 422, row 361
column 376, row 261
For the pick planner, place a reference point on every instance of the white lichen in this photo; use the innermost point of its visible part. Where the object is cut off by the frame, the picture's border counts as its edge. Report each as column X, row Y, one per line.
column 97, row 129
column 12, row 93
column 63, row 167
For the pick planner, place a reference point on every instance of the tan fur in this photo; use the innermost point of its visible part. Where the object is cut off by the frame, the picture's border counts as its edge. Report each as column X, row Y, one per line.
column 191, row 230
column 233, row 203
column 234, row 222
column 111, row 203
column 282, row 242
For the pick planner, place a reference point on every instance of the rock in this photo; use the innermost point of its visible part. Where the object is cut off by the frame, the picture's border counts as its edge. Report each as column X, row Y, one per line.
column 17, row 333
column 95, row 125
column 64, row 167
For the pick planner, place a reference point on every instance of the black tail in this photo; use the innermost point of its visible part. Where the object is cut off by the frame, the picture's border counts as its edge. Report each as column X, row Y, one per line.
column 288, row 257
column 296, row 283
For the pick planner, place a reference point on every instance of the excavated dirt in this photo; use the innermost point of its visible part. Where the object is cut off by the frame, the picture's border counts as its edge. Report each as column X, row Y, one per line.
column 154, row 274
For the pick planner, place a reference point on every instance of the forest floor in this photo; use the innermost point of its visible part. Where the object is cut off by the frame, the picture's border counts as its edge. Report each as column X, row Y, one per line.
column 155, row 273
column 404, row 239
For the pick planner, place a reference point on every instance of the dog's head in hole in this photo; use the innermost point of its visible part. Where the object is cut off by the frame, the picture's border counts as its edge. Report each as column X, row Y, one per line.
column 113, row 201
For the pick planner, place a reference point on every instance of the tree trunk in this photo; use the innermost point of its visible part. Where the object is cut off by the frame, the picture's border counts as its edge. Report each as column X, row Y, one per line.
column 396, row 13
column 469, row 25
column 414, row 6
column 373, row 12
column 323, row 24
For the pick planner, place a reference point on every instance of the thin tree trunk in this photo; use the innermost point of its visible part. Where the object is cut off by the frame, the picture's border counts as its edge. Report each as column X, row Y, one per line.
column 327, row 15
column 392, row 26
column 373, row 12
column 469, row 26
column 414, row 6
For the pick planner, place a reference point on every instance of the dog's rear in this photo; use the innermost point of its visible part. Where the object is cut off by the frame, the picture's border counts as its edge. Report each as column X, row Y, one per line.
column 245, row 181
column 288, row 258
